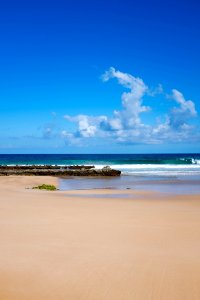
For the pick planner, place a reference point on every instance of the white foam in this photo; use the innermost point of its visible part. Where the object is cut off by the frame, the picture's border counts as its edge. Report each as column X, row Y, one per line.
column 196, row 161
column 155, row 169
column 150, row 166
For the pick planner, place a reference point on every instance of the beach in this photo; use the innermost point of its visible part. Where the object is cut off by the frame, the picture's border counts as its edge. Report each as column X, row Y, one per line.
column 94, row 245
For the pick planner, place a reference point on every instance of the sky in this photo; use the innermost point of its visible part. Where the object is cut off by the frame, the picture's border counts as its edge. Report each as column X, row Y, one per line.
column 100, row 76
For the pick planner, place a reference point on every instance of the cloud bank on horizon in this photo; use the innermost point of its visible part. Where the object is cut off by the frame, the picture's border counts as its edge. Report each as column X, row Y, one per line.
column 126, row 125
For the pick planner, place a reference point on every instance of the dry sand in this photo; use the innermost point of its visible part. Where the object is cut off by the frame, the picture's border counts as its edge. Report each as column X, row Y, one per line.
column 54, row 246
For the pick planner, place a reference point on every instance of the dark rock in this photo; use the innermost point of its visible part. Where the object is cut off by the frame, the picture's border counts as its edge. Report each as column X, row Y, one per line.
column 48, row 170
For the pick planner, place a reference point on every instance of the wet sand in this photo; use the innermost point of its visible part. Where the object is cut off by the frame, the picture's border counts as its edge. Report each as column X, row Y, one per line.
column 64, row 245
column 170, row 185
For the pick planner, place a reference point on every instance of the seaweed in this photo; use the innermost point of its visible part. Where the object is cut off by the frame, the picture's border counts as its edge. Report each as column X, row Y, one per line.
column 48, row 187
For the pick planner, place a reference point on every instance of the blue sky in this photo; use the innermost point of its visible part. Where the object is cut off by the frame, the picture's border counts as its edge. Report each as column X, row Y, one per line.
column 99, row 76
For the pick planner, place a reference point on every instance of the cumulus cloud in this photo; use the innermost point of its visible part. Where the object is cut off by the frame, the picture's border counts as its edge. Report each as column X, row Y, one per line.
column 132, row 105
column 70, row 138
column 85, row 128
column 181, row 114
column 185, row 105
column 125, row 125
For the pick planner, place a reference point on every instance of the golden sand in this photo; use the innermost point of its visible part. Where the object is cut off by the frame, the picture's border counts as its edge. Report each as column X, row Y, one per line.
column 54, row 246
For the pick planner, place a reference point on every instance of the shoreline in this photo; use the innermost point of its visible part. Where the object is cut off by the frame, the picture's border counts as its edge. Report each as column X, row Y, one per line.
column 87, row 245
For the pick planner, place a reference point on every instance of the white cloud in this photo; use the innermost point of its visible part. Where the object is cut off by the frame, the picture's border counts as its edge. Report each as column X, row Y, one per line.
column 181, row 114
column 70, row 138
column 126, row 126
column 132, row 106
column 85, row 128
column 185, row 105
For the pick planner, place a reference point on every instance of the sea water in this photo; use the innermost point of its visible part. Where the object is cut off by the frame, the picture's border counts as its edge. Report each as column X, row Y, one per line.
column 179, row 171
column 129, row 164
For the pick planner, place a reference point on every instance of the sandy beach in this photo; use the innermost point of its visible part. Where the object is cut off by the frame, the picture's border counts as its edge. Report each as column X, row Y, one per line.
column 65, row 245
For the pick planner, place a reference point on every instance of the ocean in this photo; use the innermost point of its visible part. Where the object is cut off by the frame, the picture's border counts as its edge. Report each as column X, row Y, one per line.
column 130, row 164
column 168, row 173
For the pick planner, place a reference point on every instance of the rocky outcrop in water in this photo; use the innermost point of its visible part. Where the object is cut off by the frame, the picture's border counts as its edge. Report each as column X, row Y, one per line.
column 49, row 170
